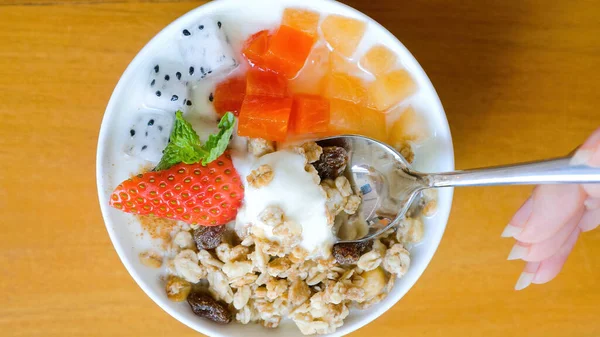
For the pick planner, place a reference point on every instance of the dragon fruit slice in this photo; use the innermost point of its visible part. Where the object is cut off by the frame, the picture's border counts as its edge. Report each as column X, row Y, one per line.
column 167, row 87
column 149, row 135
column 206, row 50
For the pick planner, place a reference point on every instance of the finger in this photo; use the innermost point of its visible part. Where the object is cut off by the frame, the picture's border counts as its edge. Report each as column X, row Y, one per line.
column 517, row 223
column 541, row 251
column 593, row 190
column 550, row 267
column 592, row 203
column 553, row 206
column 590, row 220
column 589, row 154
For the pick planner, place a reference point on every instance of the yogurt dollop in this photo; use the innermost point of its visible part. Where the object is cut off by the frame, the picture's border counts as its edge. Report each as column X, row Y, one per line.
column 295, row 192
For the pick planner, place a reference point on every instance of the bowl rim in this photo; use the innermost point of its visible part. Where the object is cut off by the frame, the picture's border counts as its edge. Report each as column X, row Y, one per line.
column 376, row 311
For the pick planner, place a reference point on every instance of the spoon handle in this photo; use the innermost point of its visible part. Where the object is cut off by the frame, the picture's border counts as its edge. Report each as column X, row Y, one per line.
column 552, row 171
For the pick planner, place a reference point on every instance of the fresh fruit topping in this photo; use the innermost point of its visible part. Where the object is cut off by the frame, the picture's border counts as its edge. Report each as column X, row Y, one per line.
column 340, row 64
column 167, row 88
column 265, row 117
column 206, row 195
column 301, row 19
column 206, row 49
column 378, row 60
column 149, row 136
column 410, row 126
column 288, row 50
column 229, row 95
column 347, row 117
column 185, row 146
column 343, row 34
column 391, row 89
column 310, row 114
column 346, row 87
column 311, row 79
column 265, row 83
column 255, row 49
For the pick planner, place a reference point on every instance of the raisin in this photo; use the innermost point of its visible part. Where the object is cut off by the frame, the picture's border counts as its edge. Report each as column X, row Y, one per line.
column 349, row 253
column 332, row 162
column 209, row 237
column 205, row 306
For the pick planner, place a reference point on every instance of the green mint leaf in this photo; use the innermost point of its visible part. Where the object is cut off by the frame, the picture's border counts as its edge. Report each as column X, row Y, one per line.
column 217, row 144
column 184, row 145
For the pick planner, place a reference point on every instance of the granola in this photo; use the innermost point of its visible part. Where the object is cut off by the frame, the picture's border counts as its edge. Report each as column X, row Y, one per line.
column 265, row 275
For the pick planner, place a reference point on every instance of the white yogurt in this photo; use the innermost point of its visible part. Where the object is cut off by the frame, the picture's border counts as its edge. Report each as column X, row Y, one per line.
column 294, row 191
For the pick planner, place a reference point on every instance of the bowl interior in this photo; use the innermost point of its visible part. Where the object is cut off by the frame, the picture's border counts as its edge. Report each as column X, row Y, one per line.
column 241, row 16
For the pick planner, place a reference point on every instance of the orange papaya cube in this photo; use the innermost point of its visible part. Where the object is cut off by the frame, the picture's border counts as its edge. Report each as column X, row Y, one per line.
column 288, row 50
column 310, row 114
column 390, row 89
column 265, row 83
column 347, row 117
column 255, row 48
column 229, row 95
column 410, row 126
column 343, row 34
column 301, row 19
column 378, row 60
column 346, row 87
column 265, row 117
column 311, row 79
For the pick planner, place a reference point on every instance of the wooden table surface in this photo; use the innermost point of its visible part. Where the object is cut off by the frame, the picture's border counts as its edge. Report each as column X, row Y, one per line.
column 519, row 80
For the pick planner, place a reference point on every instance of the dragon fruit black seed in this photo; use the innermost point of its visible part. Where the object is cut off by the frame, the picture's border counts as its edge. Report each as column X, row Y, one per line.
column 189, row 103
column 132, row 132
column 201, row 27
column 156, row 68
column 219, row 24
column 158, row 93
column 178, row 75
column 146, row 134
column 174, row 98
column 191, row 70
column 151, row 122
column 152, row 83
column 144, row 147
column 167, row 77
column 202, row 70
column 186, row 32
column 211, row 97
column 160, row 128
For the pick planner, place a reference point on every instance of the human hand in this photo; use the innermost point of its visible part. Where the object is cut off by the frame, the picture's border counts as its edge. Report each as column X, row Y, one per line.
column 548, row 224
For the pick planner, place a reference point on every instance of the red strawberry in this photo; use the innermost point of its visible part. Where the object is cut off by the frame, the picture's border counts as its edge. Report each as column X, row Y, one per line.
column 206, row 195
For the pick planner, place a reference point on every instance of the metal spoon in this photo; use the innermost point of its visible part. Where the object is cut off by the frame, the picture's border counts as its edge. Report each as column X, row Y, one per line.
column 389, row 184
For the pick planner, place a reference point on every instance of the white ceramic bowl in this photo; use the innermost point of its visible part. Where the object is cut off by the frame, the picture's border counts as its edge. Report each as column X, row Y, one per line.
column 113, row 166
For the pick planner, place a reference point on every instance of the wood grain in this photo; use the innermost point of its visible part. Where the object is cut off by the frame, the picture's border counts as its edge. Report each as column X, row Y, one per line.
column 519, row 81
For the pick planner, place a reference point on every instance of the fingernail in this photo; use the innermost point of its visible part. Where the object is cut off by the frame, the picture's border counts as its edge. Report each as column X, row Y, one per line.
column 510, row 231
column 524, row 281
column 581, row 157
column 518, row 252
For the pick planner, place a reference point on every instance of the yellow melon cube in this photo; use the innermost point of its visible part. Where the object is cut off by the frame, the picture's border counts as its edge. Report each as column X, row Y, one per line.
column 346, row 87
column 347, row 117
column 312, row 77
column 378, row 60
column 410, row 126
column 301, row 19
column 390, row 89
column 343, row 34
